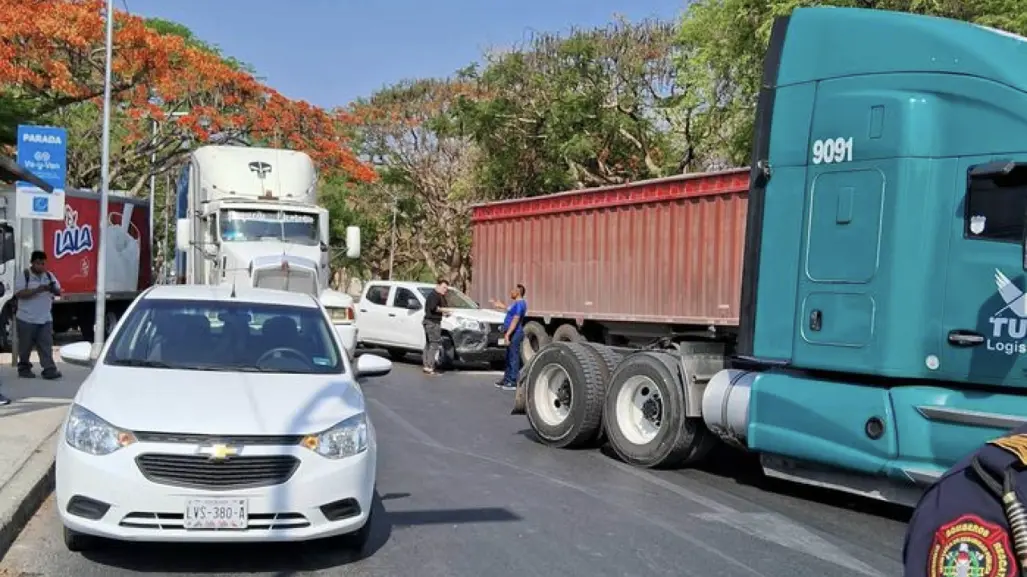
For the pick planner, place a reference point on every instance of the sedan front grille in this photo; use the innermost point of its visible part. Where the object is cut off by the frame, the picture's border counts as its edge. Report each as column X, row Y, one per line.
column 199, row 471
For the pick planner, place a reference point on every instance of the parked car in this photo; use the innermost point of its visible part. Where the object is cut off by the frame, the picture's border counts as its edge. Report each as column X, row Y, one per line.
column 218, row 414
column 390, row 313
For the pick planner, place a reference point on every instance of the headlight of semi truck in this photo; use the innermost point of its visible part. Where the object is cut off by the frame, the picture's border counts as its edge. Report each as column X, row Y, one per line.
column 91, row 434
column 346, row 439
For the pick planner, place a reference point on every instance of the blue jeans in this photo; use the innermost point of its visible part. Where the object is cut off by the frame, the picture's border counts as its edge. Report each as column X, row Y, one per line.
column 513, row 358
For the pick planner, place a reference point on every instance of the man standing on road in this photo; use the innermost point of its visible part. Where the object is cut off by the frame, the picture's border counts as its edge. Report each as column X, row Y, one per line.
column 35, row 290
column 513, row 335
column 434, row 306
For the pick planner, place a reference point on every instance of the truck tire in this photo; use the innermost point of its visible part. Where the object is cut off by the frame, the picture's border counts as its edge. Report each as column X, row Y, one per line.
column 644, row 415
column 564, row 395
column 6, row 330
column 608, row 360
column 535, row 337
column 567, row 333
column 89, row 330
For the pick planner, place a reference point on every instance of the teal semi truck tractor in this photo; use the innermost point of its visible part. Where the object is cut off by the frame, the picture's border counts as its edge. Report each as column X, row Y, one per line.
column 881, row 332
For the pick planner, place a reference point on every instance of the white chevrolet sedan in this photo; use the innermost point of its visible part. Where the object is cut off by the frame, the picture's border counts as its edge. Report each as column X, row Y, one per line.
column 216, row 415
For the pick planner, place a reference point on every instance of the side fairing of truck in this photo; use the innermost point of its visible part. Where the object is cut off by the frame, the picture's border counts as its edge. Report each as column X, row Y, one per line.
column 880, row 240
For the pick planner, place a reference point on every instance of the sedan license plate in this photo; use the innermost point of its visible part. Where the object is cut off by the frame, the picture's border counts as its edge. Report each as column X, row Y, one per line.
column 216, row 514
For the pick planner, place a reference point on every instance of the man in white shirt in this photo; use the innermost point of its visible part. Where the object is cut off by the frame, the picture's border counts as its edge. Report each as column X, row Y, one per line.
column 35, row 290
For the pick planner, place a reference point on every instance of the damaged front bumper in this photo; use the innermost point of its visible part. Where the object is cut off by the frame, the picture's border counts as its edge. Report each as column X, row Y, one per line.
column 475, row 346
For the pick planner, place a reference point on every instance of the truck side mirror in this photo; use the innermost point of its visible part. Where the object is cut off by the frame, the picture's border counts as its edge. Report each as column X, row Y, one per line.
column 183, row 234
column 352, row 242
column 6, row 243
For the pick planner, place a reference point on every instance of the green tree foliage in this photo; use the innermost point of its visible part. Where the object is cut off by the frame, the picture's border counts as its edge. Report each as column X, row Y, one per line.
column 722, row 43
column 589, row 109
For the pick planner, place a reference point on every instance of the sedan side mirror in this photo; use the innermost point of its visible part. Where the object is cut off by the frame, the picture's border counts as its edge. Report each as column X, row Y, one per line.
column 369, row 365
column 79, row 353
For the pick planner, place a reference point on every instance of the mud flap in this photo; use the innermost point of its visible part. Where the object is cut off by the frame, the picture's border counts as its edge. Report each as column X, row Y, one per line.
column 521, row 395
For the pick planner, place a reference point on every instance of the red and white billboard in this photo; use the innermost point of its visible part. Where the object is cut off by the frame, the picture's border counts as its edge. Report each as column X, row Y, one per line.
column 72, row 244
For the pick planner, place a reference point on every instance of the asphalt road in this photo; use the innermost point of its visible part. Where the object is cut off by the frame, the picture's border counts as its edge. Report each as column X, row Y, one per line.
column 465, row 491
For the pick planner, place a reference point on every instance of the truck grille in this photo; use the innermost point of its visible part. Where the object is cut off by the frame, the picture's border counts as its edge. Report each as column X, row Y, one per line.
column 199, row 471
column 292, row 280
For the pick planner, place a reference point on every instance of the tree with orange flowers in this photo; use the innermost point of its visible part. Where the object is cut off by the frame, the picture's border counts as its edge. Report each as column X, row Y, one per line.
column 52, row 70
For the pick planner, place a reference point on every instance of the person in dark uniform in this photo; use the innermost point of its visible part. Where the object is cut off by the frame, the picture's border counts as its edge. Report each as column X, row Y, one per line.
column 972, row 521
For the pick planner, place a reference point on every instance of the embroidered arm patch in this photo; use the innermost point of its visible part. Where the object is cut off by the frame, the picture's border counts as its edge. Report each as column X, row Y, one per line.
column 971, row 547
column 1015, row 444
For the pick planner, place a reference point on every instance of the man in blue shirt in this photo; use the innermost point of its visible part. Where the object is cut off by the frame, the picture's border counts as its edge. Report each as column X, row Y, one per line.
column 513, row 334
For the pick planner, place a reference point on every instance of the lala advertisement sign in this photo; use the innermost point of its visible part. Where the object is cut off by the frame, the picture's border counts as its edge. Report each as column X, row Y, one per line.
column 72, row 245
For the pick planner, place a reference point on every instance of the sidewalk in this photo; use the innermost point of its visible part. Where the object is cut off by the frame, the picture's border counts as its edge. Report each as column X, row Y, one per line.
column 28, row 431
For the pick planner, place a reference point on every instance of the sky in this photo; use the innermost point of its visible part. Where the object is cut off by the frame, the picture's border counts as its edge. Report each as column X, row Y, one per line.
column 330, row 52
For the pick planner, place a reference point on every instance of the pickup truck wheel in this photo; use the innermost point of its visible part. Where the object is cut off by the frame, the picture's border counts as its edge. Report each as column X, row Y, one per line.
column 645, row 414
column 535, row 337
column 567, row 334
column 446, row 356
column 565, row 395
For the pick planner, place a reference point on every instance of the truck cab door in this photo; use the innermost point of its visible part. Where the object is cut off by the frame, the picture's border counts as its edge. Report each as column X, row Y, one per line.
column 984, row 321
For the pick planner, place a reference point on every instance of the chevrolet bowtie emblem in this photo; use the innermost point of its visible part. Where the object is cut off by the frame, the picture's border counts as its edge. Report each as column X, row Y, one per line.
column 219, row 451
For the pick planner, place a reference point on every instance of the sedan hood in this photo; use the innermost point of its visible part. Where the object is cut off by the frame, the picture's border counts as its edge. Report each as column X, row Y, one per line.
column 219, row 403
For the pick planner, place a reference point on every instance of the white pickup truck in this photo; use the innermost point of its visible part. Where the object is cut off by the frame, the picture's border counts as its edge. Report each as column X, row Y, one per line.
column 390, row 313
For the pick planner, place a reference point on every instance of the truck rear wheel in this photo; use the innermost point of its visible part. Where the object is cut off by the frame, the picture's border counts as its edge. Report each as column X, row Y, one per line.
column 535, row 337
column 645, row 414
column 567, row 334
column 608, row 360
column 565, row 395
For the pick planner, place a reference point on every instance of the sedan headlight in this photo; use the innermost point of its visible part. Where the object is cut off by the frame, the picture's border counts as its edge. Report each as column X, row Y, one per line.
column 91, row 434
column 469, row 324
column 346, row 439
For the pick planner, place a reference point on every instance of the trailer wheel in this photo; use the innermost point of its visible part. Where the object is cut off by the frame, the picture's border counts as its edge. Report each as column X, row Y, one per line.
column 608, row 360
column 535, row 337
column 565, row 395
column 567, row 333
column 645, row 414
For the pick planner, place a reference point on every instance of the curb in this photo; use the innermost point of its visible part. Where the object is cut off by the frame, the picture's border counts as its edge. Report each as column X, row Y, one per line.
column 31, row 485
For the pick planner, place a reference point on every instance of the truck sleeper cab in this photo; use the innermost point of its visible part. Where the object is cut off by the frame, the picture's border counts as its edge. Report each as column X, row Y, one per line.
column 882, row 332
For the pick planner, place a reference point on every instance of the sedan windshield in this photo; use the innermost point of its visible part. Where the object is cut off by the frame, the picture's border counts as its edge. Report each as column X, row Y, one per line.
column 226, row 336
column 454, row 299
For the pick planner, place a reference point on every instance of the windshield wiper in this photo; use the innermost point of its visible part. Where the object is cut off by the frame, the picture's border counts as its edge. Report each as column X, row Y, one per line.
column 140, row 363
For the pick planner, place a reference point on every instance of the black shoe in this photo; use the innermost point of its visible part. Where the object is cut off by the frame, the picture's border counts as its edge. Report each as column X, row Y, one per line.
column 52, row 376
column 4, row 401
column 26, row 374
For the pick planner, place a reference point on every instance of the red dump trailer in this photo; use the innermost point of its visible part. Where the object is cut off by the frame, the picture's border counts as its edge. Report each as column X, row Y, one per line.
column 619, row 265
